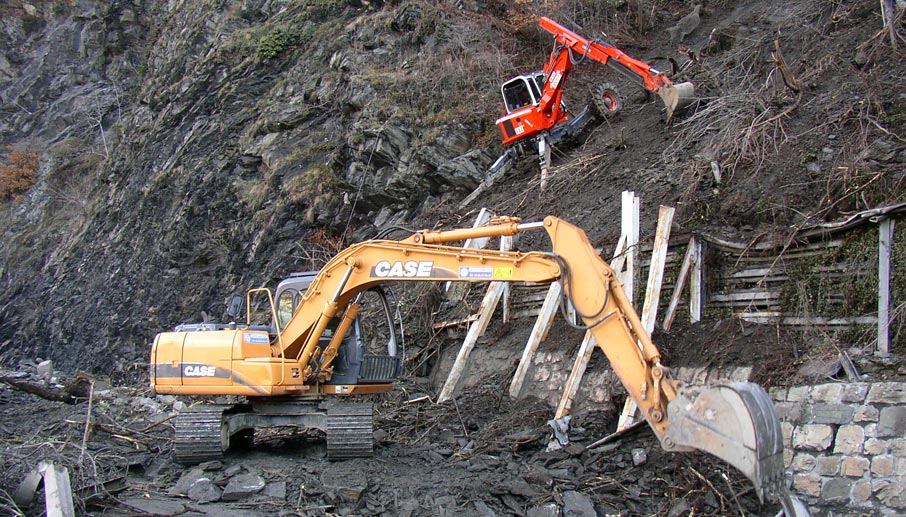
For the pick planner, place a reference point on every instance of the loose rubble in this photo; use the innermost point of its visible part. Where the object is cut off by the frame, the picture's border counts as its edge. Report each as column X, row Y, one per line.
column 480, row 455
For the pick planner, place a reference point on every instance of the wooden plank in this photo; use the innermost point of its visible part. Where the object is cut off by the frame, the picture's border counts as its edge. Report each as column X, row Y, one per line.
column 696, row 278
column 777, row 316
column 539, row 332
column 483, row 217
column 575, row 376
column 885, row 247
column 57, row 490
column 746, row 295
column 630, row 228
column 488, row 304
column 680, row 284
column 652, row 295
column 506, row 244
column 656, row 267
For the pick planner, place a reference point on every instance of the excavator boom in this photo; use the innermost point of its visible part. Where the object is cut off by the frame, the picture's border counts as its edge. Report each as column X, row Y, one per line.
column 736, row 423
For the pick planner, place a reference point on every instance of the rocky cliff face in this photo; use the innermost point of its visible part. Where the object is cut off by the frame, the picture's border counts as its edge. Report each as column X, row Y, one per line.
column 190, row 149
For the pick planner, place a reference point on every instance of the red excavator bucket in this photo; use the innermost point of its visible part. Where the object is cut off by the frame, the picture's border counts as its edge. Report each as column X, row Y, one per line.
column 676, row 97
column 738, row 424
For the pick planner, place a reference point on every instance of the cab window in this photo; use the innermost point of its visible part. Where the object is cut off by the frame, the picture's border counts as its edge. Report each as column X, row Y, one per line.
column 285, row 307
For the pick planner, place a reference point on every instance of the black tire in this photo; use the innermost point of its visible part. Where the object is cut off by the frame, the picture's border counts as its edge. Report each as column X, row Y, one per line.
column 606, row 100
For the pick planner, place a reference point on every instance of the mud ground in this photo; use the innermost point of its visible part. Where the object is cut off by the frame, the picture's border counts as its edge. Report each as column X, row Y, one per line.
column 481, row 454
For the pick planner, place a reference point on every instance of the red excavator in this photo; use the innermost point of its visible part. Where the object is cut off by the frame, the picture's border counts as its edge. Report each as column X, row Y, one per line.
column 534, row 102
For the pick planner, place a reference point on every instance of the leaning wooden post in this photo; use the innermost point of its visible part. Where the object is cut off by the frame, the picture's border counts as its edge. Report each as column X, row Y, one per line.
column 885, row 247
column 539, row 332
column 488, row 304
column 652, row 295
column 575, row 376
column 680, row 284
column 695, row 281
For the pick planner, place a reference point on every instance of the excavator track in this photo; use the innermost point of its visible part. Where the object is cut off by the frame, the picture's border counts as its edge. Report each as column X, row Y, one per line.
column 350, row 431
column 200, row 435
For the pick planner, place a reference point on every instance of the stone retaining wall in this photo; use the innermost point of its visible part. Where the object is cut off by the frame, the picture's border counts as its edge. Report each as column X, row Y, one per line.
column 846, row 445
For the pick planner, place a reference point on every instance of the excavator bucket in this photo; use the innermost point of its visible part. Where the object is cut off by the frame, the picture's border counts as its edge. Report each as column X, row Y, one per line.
column 738, row 424
column 676, row 97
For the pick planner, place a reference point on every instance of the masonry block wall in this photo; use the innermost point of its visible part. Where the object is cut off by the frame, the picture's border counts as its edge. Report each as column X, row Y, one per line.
column 846, row 446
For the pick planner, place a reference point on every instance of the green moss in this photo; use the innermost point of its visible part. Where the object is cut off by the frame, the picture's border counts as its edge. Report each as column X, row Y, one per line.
column 836, row 284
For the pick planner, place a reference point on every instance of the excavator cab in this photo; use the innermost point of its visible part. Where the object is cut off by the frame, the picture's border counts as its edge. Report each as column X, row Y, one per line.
column 522, row 91
column 373, row 349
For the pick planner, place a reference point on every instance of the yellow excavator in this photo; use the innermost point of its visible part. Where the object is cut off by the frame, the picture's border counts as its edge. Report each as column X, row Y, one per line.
column 291, row 370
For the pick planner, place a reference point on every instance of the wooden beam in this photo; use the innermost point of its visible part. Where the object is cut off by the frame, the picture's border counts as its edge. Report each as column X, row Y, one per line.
column 488, row 304
column 680, row 284
column 885, row 247
column 652, row 295
column 57, row 491
column 539, row 332
column 656, row 267
column 696, row 278
column 630, row 228
column 575, row 376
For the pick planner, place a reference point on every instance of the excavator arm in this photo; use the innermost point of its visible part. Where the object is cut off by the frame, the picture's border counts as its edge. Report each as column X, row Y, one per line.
column 736, row 423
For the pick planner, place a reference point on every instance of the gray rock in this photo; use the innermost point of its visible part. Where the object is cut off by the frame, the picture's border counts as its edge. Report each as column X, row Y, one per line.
column 45, row 370
column 210, row 465
column 275, row 491
column 577, row 504
column 155, row 506
column 545, row 510
column 186, row 481
column 892, row 422
column 242, row 486
column 639, row 456
column 204, row 491
column 483, row 510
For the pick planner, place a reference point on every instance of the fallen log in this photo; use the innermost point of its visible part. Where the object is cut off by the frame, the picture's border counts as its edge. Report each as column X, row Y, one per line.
column 74, row 391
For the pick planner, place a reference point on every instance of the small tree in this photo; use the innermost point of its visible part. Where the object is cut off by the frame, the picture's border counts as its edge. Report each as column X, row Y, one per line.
column 18, row 174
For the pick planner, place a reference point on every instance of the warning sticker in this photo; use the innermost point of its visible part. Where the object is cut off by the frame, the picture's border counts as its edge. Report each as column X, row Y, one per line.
column 476, row 272
column 503, row 272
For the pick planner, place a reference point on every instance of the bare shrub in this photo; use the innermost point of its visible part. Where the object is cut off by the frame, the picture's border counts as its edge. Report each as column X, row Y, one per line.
column 18, row 174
